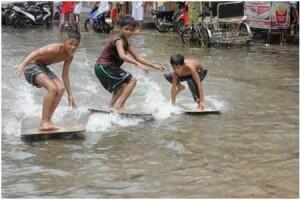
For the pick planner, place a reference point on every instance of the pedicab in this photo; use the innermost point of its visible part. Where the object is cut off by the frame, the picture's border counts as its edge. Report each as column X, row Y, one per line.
column 226, row 28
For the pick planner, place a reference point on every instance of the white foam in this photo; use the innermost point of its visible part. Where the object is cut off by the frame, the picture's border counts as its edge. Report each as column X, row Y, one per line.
column 155, row 102
column 215, row 103
column 23, row 107
column 105, row 122
column 25, row 102
column 12, row 127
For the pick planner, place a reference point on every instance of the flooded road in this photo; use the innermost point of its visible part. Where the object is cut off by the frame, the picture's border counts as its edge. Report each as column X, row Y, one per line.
column 250, row 150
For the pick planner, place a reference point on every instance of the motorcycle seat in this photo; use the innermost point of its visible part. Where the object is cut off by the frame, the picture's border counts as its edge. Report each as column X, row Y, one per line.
column 165, row 12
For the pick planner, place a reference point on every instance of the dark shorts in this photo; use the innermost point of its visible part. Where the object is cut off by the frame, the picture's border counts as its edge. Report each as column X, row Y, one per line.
column 111, row 77
column 190, row 81
column 32, row 70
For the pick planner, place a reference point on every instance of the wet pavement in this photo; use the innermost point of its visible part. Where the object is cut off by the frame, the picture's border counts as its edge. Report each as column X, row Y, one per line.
column 251, row 150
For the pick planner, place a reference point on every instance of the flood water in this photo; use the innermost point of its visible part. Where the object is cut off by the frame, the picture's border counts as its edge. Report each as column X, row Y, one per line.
column 250, row 150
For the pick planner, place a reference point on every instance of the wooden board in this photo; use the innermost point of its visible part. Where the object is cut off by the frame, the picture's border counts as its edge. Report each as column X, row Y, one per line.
column 192, row 109
column 146, row 116
column 63, row 131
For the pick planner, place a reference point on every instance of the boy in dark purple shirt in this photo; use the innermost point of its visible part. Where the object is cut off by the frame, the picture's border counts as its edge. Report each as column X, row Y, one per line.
column 108, row 66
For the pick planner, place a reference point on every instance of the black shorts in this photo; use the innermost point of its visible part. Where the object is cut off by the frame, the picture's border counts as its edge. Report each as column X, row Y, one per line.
column 190, row 81
column 111, row 77
column 32, row 70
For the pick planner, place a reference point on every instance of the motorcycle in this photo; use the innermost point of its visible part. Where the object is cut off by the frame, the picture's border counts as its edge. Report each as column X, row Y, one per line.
column 166, row 20
column 7, row 14
column 36, row 14
column 99, row 23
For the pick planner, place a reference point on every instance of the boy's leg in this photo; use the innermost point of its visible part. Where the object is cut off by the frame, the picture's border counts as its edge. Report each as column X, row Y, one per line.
column 125, row 94
column 194, row 90
column 179, row 88
column 117, row 93
column 44, row 81
column 192, row 85
column 60, row 92
column 169, row 78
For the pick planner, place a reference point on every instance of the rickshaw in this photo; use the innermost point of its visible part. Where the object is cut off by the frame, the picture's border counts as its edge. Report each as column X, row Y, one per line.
column 226, row 28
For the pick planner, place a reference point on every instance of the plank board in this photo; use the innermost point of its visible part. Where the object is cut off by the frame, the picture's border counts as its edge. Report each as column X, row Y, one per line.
column 146, row 116
column 63, row 132
column 192, row 109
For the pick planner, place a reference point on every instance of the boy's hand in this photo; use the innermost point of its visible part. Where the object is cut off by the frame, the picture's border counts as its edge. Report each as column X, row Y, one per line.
column 161, row 68
column 146, row 71
column 72, row 102
column 201, row 106
column 20, row 70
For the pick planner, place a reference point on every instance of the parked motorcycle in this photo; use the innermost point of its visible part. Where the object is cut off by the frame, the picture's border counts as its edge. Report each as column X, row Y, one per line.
column 99, row 23
column 7, row 14
column 166, row 20
column 35, row 14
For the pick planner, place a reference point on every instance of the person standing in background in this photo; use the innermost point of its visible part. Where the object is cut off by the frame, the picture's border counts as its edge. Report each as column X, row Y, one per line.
column 138, row 12
column 67, row 16
column 114, row 12
column 77, row 11
column 103, row 8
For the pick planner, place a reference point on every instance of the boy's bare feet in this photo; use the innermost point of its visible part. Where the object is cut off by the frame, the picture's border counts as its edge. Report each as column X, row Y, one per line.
column 121, row 110
column 53, row 126
column 46, row 126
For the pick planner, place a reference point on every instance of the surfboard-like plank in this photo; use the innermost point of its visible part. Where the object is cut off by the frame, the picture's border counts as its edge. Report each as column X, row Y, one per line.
column 62, row 129
column 62, row 132
column 147, row 116
column 198, row 112
column 191, row 109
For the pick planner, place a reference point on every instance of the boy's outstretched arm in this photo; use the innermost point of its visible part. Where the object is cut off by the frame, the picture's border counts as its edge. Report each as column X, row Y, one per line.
column 31, row 57
column 195, row 75
column 139, row 58
column 65, row 77
column 126, row 58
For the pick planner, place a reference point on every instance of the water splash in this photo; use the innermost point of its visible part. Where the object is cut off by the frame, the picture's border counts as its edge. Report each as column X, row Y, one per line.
column 215, row 103
column 155, row 102
column 106, row 122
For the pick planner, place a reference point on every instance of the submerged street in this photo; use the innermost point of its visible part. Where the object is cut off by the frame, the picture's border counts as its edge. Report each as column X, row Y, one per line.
column 251, row 150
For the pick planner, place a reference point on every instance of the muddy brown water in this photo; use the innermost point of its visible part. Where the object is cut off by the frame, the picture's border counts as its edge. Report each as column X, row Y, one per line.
column 250, row 150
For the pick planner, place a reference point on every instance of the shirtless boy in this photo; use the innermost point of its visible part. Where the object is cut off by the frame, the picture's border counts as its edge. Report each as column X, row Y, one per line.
column 189, row 70
column 36, row 72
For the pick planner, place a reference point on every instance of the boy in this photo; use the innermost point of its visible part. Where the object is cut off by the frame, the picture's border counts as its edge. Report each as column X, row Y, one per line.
column 108, row 66
column 189, row 70
column 36, row 72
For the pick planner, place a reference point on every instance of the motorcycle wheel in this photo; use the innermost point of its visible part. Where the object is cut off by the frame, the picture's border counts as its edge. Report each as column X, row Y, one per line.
column 179, row 26
column 190, row 37
column 160, row 28
column 106, row 28
column 204, row 37
column 21, row 23
column 9, row 18
column 18, row 23
column 49, row 22
column 87, row 25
